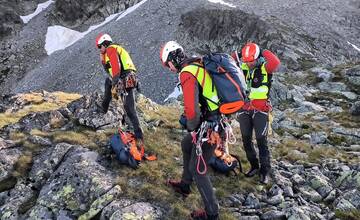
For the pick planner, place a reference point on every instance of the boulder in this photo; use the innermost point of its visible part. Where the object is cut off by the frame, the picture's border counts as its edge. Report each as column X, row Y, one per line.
column 76, row 184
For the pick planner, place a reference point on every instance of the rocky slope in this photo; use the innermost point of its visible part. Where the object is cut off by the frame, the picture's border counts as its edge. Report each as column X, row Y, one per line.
column 57, row 164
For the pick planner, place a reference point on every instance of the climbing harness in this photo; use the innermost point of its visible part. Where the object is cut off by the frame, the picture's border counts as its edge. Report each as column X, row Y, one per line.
column 219, row 134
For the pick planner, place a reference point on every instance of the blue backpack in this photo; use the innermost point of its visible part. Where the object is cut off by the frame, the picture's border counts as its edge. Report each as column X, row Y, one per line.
column 221, row 166
column 122, row 152
column 228, row 79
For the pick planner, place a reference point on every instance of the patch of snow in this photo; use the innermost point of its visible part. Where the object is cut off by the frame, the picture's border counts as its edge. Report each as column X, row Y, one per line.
column 58, row 37
column 222, row 3
column 354, row 46
column 177, row 91
column 131, row 9
column 39, row 9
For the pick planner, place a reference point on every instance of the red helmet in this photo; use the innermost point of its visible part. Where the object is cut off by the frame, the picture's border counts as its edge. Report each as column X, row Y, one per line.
column 101, row 38
column 250, row 52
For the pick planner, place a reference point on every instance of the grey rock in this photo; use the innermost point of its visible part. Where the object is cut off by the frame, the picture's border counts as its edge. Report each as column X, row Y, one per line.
column 321, row 185
column 275, row 190
column 320, row 118
column 273, row 215
column 322, row 74
column 353, row 77
column 235, row 200
column 275, row 200
column 42, row 212
column 8, row 158
column 336, row 109
column 344, row 205
column 310, row 107
column 114, row 206
column 297, row 180
column 140, row 210
column 252, row 201
column 18, row 197
column 102, row 202
column 330, row 197
column 355, row 108
column 39, row 140
column 332, row 87
column 76, row 184
column 349, row 95
column 45, row 164
column 318, row 137
column 310, row 194
column 296, row 213
column 252, row 217
column 6, row 143
column 352, row 135
column 86, row 112
column 352, row 196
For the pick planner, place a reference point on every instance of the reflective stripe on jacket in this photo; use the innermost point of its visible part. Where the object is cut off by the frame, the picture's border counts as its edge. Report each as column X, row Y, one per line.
column 208, row 88
column 117, row 64
column 256, row 81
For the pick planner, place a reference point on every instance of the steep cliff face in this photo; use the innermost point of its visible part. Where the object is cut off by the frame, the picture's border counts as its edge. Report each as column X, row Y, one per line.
column 80, row 14
column 10, row 12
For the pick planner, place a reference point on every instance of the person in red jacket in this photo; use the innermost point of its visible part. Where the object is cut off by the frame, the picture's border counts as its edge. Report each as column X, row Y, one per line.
column 258, row 67
column 199, row 111
column 121, row 79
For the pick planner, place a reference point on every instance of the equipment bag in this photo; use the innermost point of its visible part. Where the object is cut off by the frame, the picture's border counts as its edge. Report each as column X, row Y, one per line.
column 228, row 79
column 225, row 166
column 124, row 145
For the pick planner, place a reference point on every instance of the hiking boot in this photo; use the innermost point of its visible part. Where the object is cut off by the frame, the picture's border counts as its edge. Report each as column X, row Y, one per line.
column 201, row 214
column 252, row 172
column 100, row 109
column 179, row 187
column 264, row 179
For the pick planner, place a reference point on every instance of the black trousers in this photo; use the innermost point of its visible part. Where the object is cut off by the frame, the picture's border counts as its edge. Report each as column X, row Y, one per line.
column 259, row 122
column 190, row 173
column 129, row 106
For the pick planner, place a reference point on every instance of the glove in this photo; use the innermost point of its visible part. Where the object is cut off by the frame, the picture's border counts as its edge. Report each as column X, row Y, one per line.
column 183, row 121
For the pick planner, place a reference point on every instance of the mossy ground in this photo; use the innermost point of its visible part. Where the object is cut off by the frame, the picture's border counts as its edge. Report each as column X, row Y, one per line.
column 147, row 183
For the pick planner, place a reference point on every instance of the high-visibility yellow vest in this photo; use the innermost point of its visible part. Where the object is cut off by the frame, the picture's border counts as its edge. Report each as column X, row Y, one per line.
column 125, row 60
column 262, row 91
column 209, row 91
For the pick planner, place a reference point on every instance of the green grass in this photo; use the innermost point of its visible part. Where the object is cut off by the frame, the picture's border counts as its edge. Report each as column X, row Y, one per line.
column 37, row 103
column 348, row 215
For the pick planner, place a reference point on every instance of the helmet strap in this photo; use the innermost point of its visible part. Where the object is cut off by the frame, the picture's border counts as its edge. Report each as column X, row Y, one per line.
column 172, row 67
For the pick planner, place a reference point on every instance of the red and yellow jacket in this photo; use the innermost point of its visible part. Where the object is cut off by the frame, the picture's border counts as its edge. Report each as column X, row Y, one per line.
column 116, row 60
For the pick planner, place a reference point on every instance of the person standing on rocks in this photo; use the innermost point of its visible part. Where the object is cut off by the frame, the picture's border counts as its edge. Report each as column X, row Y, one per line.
column 122, row 79
column 258, row 66
column 198, row 112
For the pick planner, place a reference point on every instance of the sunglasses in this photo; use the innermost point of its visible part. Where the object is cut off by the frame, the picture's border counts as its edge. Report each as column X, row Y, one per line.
column 99, row 46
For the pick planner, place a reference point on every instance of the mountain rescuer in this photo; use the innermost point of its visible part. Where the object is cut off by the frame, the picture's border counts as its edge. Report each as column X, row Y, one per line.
column 199, row 114
column 121, row 81
column 258, row 66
